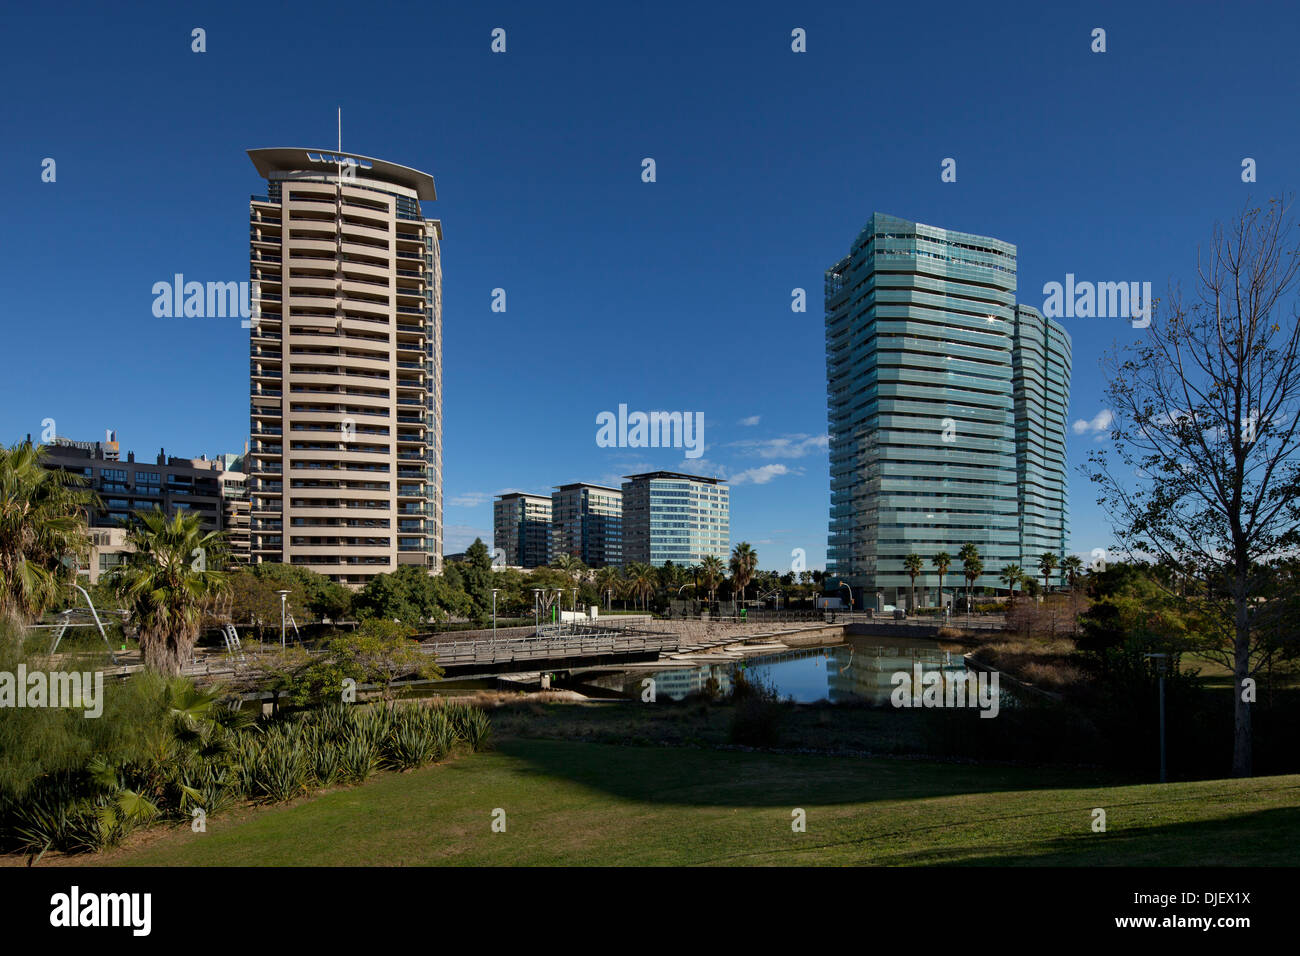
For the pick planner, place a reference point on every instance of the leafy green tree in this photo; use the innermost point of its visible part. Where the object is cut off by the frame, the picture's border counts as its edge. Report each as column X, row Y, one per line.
column 477, row 574
column 379, row 652
column 167, row 586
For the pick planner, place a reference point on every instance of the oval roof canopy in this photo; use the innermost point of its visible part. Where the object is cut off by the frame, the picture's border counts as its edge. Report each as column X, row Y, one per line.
column 288, row 159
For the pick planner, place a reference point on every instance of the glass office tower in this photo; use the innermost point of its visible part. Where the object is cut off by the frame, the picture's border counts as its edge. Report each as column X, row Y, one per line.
column 668, row 516
column 587, row 522
column 521, row 527
column 933, row 393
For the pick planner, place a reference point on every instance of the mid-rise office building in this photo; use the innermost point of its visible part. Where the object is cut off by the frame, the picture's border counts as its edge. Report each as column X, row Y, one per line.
column 947, row 406
column 669, row 516
column 521, row 529
column 198, row 485
column 587, row 522
column 345, row 356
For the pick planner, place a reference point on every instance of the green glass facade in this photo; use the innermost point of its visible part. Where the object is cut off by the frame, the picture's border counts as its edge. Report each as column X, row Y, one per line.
column 932, row 443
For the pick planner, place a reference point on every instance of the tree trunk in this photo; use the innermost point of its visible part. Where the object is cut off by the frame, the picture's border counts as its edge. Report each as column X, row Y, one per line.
column 1241, row 737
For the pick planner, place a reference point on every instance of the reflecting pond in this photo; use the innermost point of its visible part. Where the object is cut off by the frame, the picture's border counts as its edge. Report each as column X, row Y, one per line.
column 861, row 669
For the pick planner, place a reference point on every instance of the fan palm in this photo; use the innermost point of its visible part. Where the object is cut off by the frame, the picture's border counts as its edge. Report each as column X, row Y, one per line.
column 744, row 560
column 1011, row 576
column 42, row 520
column 167, row 585
column 942, row 562
column 913, row 564
column 1073, row 567
column 972, row 567
column 1047, row 563
column 711, row 574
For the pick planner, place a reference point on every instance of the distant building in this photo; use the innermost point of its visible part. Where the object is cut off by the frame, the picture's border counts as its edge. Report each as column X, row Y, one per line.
column 201, row 486
column 669, row 516
column 521, row 529
column 587, row 522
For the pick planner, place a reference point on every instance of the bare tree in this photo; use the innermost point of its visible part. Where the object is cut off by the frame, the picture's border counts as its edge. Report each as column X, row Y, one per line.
column 1205, row 474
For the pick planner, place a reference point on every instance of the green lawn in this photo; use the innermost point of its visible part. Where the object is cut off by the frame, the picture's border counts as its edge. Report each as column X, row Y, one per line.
column 596, row 804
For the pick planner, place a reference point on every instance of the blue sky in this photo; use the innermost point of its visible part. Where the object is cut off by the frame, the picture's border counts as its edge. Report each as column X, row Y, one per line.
column 667, row 295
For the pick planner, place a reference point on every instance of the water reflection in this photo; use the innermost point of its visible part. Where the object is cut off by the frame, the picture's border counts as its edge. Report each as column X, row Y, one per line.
column 857, row 671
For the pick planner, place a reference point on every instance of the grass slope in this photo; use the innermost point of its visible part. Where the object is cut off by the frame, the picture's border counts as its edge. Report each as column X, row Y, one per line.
column 596, row 804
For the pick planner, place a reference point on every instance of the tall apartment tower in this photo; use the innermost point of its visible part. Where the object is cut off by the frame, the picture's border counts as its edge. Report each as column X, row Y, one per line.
column 587, row 522
column 345, row 360
column 946, row 406
column 669, row 516
column 521, row 529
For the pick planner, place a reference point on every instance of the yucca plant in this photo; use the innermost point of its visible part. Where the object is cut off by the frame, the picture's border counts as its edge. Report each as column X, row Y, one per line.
column 282, row 766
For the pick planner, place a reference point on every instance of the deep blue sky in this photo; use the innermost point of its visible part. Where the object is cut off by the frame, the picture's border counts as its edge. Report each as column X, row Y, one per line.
column 671, row 295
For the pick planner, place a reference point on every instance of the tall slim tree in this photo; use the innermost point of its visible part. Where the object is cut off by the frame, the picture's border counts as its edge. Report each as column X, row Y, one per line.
column 942, row 562
column 913, row 564
column 711, row 574
column 1205, row 470
column 1010, row 576
column 972, row 567
column 744, row 560
column 1047, row 562
column 1072, row 567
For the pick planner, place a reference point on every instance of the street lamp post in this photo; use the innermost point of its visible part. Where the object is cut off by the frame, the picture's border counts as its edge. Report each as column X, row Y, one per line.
column 850, row 589
column 1162, row 665
column 283, row 596
column 494, row 613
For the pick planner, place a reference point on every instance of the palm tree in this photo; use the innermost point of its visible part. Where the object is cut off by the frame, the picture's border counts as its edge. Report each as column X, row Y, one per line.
column 711, row 574
column 167, row 585
column 1011, row 575
column 607, row 579
column 1073, row 567
column 643, row 577
column 1047, row 563
column 744, row 560
column 972, row 567
column 941, row 561
column 42, row 521
column 913, row 564
column 570, row 564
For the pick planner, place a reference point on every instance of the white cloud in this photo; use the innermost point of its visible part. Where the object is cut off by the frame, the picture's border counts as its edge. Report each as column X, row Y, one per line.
column 469, row 499
column 762, row 474
column 1100, row 423
column 790, row 446
column 751, row 420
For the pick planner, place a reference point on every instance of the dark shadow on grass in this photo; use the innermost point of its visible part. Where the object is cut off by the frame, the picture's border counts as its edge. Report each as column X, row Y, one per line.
column 684, row 776
column 1256, row 838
